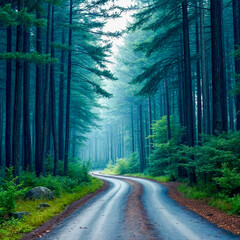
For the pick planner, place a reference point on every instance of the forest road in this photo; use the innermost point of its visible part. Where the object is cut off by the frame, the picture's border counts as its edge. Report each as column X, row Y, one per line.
column 108, row 216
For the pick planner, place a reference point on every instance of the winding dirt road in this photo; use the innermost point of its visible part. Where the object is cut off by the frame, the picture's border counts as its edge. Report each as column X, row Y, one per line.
column 135, row 209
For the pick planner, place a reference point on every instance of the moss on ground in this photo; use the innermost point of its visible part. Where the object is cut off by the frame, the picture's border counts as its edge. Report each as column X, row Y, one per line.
column 15, row 229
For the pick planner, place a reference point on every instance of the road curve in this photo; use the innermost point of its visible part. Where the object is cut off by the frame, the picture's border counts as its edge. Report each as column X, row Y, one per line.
column 102, row 218
column 174, row 222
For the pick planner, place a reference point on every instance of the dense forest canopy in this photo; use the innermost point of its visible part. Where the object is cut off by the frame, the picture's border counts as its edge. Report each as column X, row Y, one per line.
column 153, row 82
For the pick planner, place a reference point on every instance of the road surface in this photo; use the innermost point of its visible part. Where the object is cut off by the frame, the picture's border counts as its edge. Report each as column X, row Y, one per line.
column 104, row 216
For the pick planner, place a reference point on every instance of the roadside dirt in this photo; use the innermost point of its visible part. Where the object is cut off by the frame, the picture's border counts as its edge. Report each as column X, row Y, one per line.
column 214, row 215
column 48, row 226
column 137, row 226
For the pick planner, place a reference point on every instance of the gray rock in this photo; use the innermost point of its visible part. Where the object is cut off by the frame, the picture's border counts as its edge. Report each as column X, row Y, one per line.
column 20, row 215
column 39, row 193
column 43, row 206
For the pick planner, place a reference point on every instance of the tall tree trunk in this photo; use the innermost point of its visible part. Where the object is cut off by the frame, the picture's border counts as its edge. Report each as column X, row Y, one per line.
column 168, row 111
column 26, row 109
column 46, row 94
column 141, row 139
column 108, row 145
column 122, row 140
column 132, row 123
column 236, row 21
column 61, row 103
column 188, row 78
column 18, row 98
column 53, row 102
column 68, row 90
column 180, row 95
column 230, row 102
column 199, row 92
column 38, row 104
column 1, row 132
column 8, row 132
column 218, row 69
column 205, row 85
column 150, row 123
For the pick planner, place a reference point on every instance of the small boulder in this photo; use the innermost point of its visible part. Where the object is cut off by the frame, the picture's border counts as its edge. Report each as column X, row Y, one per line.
column 39, row 193
column 19, row 215
column 43, row 206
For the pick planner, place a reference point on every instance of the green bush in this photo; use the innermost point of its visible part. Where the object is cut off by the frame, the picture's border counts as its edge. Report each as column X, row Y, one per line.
column 235, row 201
column 124, row 165
column 9, row 193
column 229, row 182
column 51, row 183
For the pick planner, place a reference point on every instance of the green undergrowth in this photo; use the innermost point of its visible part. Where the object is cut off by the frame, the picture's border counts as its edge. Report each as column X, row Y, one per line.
column 15, row 229
column 229, row 204
column 158, row 178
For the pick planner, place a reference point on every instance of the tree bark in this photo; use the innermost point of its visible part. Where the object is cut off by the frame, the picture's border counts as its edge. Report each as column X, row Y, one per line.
column 236, row 21
column 188, row 78
column 218, row 69
column 168, row 111
column 199, row 92
column 18, row 98
column 141, row 139
column 205, row 85
column 53, row 102
column 46, row 95
column 1, row 132
column 132, row 123
column 61, row 103
column 150, row 123
column 38, row 104
column 68, row 90
column 8, row 132
column 26, row 109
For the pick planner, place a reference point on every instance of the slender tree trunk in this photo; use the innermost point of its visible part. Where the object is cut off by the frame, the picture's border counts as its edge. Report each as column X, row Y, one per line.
column 199, row 92
column 141, row 139
column 26, row 109
column 46, row 95
column 132, row 123
column 53, row 102
column 236, row 21
column 18, row 98
column 218, row 69
column 122, row 140
column 180, row 96
column 96, row 149
column 188, row 78
column 1, row 132
column 150, row 123
column 61, row 103
column 206, row 123
column 108, row 145
column 230, row 102
column 8, row 132
column 168, row 112
column 38, row 105
column 73, row 143
column 154, row 109
column 68, row 90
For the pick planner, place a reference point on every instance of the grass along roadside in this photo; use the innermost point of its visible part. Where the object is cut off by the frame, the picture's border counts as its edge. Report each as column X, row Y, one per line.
column 230, row 205
column 15, row 229
column 159, row 178
column 139, row 175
